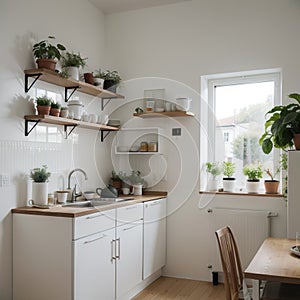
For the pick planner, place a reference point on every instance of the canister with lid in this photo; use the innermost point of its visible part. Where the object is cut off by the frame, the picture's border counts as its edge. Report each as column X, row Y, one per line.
column 75, row 107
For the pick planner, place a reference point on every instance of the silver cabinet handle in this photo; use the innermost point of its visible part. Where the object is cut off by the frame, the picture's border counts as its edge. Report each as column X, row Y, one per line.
column 128, row 228
column 155, row 203
column 96, row 239
column 113, row 248
column 93, row 217
column 118, row 252
column 131, row 207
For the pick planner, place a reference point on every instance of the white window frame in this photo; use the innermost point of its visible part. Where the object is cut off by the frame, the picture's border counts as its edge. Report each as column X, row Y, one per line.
column 207, row 107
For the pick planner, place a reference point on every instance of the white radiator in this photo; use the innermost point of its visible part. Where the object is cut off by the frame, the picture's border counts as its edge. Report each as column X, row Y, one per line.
column 250, row 228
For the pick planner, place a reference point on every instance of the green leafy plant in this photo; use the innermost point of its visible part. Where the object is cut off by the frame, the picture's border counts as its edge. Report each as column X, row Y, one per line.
column 71, row 59
column 55, row 105
column 254, row 172
column 63, row 108
column 108, row 75
column 40, row 174
column 213, row 168
column 43, row 101
column 283, row 123
column 228, row 168
column 115, row 176
column 45, row 49
column 135, row 178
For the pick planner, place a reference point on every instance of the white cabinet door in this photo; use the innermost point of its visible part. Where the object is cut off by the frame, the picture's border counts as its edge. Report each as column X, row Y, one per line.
column 94, row 266
column 154, row 236
column 129, row 257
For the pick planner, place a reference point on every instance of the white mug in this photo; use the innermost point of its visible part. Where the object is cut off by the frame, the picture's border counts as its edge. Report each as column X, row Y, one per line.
column 94, row 118
column 125, row 191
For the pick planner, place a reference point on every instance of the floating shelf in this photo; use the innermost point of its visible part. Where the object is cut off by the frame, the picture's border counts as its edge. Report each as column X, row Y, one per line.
column 69, row 84
column 165, row 114
column 66, row 123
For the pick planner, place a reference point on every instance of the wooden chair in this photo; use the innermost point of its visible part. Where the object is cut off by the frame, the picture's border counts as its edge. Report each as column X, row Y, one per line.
column 233, row 274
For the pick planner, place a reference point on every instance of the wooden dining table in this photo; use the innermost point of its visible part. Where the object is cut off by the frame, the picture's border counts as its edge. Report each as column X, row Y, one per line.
column 274, row 261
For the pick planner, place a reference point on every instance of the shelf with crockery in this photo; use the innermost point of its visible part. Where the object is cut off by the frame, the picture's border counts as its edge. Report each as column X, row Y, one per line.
column 164, row 114
column 67, row 123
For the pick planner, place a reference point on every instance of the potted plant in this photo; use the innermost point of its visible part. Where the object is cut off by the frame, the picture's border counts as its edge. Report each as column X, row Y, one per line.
column 64, row 112
column 111, row 79
column 55, row 109
column 137, row 182
column 254, row 172
column 228, row 181
column 98, row 78
column 71, row 62
column 43, row 105
column 46, row 53
column 271, row 186
column 214, row 169
column 40, row 178
column 116, row 180
column 282, row 129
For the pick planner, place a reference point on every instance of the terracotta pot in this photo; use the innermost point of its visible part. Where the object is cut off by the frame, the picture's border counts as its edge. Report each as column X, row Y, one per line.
column 43, row 110
column 297, row 141
column 117, row 184
column 89, row 78
column 45, row 63
column 271, row 186
column 54, row 112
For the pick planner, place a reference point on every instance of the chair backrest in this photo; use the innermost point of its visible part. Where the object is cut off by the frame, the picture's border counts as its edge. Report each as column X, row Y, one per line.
column 231, row 264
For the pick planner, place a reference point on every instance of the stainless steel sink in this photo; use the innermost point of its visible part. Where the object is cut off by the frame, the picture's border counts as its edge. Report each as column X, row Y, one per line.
column 79, row 204
column 96, row 202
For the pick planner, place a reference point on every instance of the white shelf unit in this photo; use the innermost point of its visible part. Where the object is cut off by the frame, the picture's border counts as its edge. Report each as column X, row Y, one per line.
column 127, row 138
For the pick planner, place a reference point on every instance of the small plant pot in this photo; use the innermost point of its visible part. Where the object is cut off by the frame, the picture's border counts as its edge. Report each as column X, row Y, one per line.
column 40, row 193
column 88, row 78
column 99, row 82
column 43, row 110
column 117, row 184
column 212, row 185
column 271, row 186
column 228, row 184
column 64, row 113
column 55, row 112
column 296, row 139
column 45, row 63
column 138, row 189
column 73, row 72
column 110, row 85
column 253, row 186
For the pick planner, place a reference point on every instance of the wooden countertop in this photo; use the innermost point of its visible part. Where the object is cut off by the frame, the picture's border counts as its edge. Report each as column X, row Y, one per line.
column 73, row 212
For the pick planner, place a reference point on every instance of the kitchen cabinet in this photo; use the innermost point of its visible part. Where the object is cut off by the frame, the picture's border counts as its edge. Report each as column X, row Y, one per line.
column 154, row 239
column 128, row 140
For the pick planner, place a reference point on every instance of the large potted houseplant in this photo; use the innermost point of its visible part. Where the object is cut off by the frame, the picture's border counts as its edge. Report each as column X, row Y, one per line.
column 40, row 178
column 228, row 180
column 214, row 169
column 282, row 128
column 254, row 173
column 43, row 105
column 71, row 62
column 47, row 54
column 111, row 79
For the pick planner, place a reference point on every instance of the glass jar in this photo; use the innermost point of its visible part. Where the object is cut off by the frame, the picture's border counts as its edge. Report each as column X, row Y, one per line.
column 143, row 147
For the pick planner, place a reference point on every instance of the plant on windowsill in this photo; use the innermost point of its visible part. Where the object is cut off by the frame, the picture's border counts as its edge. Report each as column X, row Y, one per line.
column 254, row 172
column 55, row 109
column 71, row 62
column 214, row 169
column 282, row 129
column 46, row 53
column 43, row 105
column 228, row 171
column 40, row 178
column 271, row 185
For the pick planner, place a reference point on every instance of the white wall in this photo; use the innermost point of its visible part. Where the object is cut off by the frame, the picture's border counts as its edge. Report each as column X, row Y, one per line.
column 80, row 27
column 182, row 42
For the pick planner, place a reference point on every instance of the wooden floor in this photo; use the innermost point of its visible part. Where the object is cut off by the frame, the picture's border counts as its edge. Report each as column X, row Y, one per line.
column 174, row 288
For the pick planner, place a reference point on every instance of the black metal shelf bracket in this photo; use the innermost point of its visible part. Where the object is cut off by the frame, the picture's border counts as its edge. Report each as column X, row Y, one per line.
column 36, row 76
column 66, row 130
column 104, row 134
column 104, row 102
column 74, row 88
column 27, row 131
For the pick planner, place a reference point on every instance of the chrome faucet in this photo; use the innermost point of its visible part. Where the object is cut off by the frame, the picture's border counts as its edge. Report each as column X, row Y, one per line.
column 73, row 194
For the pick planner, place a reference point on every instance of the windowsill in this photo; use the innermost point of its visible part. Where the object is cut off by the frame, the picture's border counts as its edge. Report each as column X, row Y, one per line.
column 242, row 194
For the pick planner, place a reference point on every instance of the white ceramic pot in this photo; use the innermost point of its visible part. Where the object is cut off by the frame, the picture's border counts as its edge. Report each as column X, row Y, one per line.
column 212, row 185
column 137, row 190
column 62, row 196
column 228, row 184
column 40, row 193
column 75, row 108
column 99, row 82
column 252, row 187
column 183, row 104
column 73, row 72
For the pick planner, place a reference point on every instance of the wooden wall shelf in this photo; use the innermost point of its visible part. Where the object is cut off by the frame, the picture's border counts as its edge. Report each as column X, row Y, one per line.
column 165, row 114
column 69, row 84
column 66, row 123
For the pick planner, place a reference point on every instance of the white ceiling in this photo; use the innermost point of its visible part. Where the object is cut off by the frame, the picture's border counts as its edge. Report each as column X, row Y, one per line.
column 113, row 6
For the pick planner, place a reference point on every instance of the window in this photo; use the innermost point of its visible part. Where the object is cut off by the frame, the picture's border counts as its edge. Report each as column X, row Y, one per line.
column 236, row 107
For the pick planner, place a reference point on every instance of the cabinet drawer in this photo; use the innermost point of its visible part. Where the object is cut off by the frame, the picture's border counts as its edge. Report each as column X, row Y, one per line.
column 129, row 214
column 93, row 223
column 155, row 210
